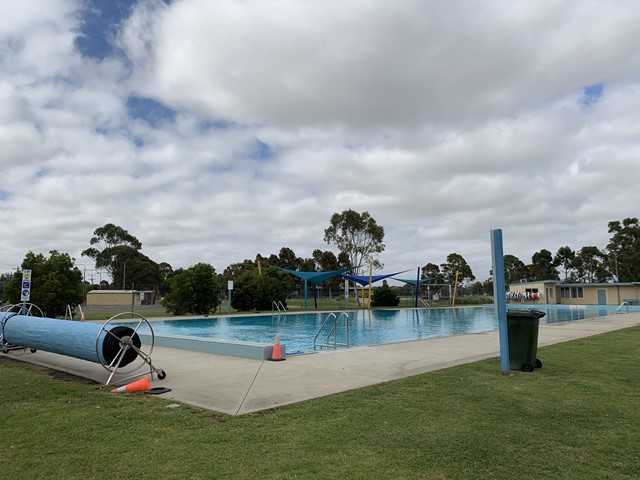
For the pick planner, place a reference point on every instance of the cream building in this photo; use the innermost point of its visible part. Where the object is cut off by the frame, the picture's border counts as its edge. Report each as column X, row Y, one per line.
column 120, row 297
column 555, row 292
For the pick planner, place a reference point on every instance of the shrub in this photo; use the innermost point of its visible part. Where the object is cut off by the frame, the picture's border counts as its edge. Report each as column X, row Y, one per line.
column 194, row 290
column 384, row 297
column 256, row 292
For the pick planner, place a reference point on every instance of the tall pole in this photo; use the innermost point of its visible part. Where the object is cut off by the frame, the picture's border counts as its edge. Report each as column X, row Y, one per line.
column 499, row 298
column 84, row 284
column 417, row 286
column 370, row 282
column 455, row 290
column 346, row 294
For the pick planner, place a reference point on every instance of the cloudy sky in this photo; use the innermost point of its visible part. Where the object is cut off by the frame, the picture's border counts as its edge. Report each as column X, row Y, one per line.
column 214, row 130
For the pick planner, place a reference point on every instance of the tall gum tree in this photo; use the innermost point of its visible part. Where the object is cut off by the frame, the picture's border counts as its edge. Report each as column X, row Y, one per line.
column 106, row 246
column 624, row 249
column 358, row 236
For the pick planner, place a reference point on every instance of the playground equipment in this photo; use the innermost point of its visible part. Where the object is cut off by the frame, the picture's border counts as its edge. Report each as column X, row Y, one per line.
column 116, row 347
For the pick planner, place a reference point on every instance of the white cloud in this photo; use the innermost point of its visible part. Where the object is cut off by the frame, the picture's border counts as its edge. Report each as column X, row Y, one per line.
column 443, row 120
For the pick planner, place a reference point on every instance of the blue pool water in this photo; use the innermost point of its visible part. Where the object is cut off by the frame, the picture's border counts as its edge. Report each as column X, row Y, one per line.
column 297, row 331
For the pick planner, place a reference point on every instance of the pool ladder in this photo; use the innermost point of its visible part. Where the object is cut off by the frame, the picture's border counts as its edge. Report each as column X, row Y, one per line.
column 278, row 306
column 333, row 332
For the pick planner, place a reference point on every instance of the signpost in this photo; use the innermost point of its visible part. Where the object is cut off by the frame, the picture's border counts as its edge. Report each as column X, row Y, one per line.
column 230, row 288
column 25, row 291
column 346, row 294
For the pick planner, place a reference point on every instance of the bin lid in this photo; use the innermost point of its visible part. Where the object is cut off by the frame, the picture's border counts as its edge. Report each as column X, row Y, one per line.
column 521, row 313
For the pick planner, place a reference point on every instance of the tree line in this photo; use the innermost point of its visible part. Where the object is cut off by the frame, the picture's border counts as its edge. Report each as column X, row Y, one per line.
column 58, row 282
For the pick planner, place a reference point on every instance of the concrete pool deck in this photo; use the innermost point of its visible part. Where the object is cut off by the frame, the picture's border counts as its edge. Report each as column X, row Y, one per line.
column 237, row 386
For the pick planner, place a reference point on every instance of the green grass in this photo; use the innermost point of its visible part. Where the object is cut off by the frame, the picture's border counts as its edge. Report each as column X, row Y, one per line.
column 576, row 418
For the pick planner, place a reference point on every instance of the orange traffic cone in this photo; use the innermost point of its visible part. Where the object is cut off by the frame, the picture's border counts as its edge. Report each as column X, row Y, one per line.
column 276, row 355
column 141, row 385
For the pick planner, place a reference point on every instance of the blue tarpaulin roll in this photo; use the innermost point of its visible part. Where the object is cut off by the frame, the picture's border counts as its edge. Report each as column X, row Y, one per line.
column 87, row 341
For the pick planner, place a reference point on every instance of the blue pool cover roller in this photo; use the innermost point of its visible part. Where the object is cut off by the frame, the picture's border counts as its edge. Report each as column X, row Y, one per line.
column 86, row 341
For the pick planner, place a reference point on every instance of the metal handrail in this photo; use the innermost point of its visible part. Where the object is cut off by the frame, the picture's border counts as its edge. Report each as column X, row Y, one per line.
column 315, row 339
column 333, row 331
column 276, row 306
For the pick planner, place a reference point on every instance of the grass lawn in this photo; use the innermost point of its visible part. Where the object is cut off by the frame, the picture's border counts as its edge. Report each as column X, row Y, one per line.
column 576, row 418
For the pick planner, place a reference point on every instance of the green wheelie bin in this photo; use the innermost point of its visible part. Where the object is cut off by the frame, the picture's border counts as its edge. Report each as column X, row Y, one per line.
column 522, row 328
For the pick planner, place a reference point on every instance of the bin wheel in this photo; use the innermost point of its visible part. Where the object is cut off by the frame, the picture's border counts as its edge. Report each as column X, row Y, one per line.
column 33, row 350
column 527, row 367
column 161, row 374
column 538, row 363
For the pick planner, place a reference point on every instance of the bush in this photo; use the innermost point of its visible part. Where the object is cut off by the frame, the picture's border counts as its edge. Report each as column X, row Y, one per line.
column 194, row 290
column 257, row 292
column 384, row 297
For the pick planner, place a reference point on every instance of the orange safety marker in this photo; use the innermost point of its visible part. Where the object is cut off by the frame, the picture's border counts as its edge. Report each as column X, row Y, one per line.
column 276, row 355
column 141, row 385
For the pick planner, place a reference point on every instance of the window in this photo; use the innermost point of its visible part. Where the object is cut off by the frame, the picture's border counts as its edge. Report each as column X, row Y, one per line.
column 531, row 290
column 571, row 292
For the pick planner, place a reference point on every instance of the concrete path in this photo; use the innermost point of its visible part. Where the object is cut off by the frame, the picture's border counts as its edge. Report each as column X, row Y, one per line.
column 237, row 386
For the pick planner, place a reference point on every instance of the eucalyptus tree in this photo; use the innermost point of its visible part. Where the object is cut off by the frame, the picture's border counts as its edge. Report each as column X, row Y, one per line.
column 564, row 258
column 542, row 266
column 514, row 269
column 590, row 265
column 108, row 244
column 432, row 272
column 358, row 236
column 456, row 267
column 624, row 249
column 326, row 261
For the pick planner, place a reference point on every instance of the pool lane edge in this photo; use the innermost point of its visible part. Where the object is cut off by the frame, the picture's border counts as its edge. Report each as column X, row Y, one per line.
column 254, row 351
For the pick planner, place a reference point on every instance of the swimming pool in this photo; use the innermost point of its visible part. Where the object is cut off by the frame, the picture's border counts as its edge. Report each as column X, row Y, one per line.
column 374, row 327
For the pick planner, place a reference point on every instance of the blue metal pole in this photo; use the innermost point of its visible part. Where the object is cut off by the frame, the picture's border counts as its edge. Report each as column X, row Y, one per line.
column 417, row 286
column 499, row 299
column 306, row 294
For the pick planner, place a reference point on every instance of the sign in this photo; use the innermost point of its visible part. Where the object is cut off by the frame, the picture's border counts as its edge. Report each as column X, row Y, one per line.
column 25, row 293
column 230, row 285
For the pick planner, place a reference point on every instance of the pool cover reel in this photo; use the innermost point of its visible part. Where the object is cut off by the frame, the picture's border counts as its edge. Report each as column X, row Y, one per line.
column 86, row 341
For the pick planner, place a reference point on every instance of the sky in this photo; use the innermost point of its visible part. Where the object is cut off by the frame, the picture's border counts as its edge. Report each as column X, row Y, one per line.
column 216, row 130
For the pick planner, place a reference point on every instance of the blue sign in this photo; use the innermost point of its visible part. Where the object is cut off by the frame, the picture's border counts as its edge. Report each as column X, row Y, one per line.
column 26, row 286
